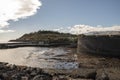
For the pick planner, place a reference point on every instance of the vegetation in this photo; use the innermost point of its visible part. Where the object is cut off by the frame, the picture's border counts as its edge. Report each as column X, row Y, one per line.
column 48, row 37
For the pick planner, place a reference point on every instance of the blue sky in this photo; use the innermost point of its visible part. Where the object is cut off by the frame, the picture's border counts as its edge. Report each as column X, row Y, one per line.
column 54, row 14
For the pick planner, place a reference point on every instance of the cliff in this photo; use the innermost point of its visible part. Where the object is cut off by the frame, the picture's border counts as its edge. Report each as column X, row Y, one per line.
column 103, row 44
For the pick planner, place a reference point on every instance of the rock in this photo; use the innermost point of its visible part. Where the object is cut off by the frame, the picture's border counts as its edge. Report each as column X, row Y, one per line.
column 2, row 66
column 24, row 78
column 5, row 63
column 91, row 75
column 28, row 70
column 103, row 76
column 38, row 70
column 81, row 79
column 60, row 78
column 5, row 75
column 1, row 77
column 76, row 76
column 84, row 73
column 42, row 77
column 33, row 73
column 21, row 68
column 13, row 67
column 16, row 77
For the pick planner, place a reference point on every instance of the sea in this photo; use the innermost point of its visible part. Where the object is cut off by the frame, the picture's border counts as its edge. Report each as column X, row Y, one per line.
column 42, row 57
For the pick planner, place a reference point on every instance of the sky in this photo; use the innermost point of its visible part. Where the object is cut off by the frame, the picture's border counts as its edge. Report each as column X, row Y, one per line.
column 59, row 15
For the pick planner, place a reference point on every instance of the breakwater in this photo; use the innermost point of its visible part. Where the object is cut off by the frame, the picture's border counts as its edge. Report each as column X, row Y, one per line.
column 107, row 45
column 25, row 44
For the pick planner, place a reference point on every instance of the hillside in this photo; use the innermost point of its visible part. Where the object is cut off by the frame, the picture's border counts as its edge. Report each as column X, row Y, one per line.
column 48, row 37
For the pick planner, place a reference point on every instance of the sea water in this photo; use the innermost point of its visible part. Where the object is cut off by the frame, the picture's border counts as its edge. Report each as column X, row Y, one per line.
column 41, row 57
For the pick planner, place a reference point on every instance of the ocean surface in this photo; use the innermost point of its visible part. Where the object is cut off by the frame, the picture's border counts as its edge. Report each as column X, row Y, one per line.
column 42, row 57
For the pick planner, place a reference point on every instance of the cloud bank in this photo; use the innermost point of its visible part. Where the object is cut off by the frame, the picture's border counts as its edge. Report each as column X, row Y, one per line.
column 13, row 10
column 6, row 31
column 81, row 29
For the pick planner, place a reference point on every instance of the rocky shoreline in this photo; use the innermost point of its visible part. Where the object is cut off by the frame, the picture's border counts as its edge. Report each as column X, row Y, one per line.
column 90, row 68
column 13, row 72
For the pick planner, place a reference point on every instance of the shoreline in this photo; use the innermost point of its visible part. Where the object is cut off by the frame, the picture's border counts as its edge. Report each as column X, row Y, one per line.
column 17, row 72
column 13, row 72
column 90, row 68
column 24, row 44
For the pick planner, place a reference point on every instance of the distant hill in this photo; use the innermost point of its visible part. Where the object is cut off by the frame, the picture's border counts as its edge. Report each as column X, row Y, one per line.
column 48, row 37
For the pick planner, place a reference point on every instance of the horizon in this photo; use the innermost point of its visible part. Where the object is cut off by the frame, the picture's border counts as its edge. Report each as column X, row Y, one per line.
column 71, row 16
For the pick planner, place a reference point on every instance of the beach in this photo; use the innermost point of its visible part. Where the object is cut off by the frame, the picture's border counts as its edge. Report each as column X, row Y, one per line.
column 63, row 66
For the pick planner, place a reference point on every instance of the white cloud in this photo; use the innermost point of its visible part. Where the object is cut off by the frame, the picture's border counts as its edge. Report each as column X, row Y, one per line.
column 81, row 29
column 6, row 31
column 63, row 30
column 17, row 9
column 58, row 29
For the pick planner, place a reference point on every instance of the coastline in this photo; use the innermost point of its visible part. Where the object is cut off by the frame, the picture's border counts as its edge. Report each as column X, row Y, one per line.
column 90, row 68
column 25, row 44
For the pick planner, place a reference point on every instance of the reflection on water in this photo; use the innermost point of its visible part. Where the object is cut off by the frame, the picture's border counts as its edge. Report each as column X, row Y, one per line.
column 38, row 57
